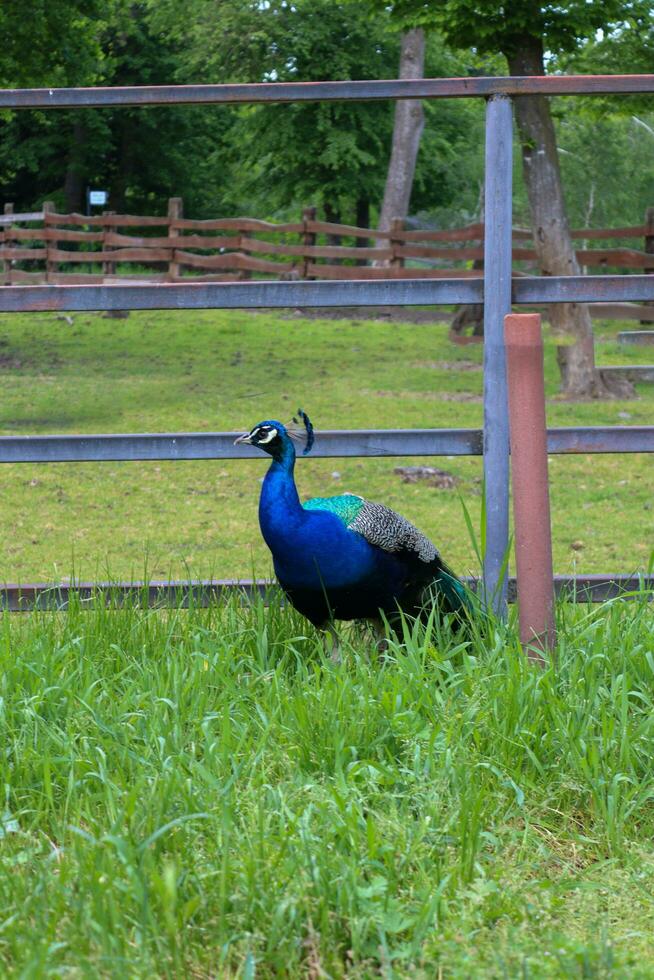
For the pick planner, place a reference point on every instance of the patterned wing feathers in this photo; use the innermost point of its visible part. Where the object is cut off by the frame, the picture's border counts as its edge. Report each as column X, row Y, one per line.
column 379, row 525
column 388, row 530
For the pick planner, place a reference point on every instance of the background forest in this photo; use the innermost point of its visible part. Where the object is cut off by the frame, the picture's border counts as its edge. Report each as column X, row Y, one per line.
column 270, row 161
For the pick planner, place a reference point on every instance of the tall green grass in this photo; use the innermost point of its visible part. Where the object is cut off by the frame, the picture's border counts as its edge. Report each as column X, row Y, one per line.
column 203, row 793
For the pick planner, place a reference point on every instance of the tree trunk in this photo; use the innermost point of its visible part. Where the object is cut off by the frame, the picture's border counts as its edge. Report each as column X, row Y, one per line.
column 333, row 216
column 471, row 315
column 556, row 256
column 75, row 177
column 363, row 221
column 407, row 130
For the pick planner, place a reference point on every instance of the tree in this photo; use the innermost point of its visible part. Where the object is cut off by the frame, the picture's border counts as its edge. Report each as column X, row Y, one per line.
column 331, row 154
column 48, row 42
column 408, row 125
column 141, row 155
column 321, row 153
column 522, row 31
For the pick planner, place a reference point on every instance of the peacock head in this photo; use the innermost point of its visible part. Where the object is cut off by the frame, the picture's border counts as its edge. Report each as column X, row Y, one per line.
column 275, row 438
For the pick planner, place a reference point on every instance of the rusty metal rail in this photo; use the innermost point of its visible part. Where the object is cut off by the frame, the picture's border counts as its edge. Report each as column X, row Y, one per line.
column 525, row 290
column 497, row 292
column 366, row 90
column 202, row 592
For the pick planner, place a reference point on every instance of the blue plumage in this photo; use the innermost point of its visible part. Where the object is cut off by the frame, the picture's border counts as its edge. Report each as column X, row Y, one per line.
column 343, row 557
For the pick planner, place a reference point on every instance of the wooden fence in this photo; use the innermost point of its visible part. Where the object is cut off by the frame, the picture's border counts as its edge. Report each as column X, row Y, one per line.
column 55, row 248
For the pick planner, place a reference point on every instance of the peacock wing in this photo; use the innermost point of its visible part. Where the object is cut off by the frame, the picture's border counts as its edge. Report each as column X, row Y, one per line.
column 378, row 524
column 388, row 530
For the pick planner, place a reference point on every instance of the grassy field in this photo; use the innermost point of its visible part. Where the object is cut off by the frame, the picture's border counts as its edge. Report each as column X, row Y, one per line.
column 204, row 794
column 207, row 371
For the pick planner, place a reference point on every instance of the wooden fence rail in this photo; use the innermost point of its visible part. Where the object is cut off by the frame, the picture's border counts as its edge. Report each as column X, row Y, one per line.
column 172, row 248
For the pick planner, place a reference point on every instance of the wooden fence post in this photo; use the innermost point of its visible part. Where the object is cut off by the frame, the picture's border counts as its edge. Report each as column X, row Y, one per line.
column 397, row 225
column 649, row 248
column 51, row 267
column 242, row 273
column 9, row 209
column 108, row 268
column 175, row 211
column 308, row 239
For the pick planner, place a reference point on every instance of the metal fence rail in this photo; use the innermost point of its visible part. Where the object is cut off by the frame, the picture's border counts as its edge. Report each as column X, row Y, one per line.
column 202, row 592
column 497, row 291
column 524, row 290
column 330, row 444
column 366, row 90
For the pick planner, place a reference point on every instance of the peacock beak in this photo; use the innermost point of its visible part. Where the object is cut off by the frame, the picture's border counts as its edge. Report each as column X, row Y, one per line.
column 245, row 438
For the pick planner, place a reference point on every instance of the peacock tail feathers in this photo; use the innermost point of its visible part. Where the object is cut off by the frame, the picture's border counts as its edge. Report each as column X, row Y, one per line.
column 453, row 591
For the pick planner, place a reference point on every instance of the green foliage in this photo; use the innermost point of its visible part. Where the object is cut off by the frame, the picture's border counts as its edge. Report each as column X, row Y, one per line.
column 203, row 793
column 141, row 155
column 495, row 26
column 327, row 154
column 273, row 160
column 607, row 162
column 50, row 42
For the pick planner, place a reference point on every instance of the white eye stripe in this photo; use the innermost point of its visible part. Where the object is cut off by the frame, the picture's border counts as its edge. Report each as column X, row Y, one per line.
column 269, row 436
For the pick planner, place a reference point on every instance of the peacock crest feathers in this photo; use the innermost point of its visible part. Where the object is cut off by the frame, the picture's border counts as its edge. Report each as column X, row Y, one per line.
column 301, row 430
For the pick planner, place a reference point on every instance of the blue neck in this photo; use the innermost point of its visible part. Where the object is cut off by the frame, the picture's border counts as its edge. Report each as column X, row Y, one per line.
column 279, row 504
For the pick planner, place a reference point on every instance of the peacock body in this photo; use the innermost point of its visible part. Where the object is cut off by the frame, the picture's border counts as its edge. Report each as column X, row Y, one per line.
column 344, row 557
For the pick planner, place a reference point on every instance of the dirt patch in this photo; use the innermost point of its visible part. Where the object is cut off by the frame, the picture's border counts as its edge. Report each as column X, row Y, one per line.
column 427, row 396
column 395, row 314
column 458, row 396
column 17, row 362
column 449, row 365
column 8, row 362
column 430, row 475
column 50, row 421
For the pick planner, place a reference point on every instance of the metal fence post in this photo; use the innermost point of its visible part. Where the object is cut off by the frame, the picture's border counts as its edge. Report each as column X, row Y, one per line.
column 497, row 303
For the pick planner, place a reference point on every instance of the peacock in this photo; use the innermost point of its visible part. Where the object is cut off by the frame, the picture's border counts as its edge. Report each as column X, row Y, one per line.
column 344, row 557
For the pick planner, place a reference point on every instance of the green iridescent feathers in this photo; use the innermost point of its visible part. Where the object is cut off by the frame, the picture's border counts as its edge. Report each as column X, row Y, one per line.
column 346, row 506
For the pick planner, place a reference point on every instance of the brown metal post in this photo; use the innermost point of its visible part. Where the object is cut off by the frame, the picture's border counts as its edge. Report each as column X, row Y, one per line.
column 175, row 210
column 531, row 503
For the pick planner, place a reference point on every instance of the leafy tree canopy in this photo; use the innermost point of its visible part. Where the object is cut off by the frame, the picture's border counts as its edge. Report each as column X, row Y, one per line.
column 50, row 42
column 503, row 26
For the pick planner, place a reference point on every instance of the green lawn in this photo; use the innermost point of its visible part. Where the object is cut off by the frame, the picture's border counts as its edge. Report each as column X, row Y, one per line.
column 205, row 795
column 207, row 371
